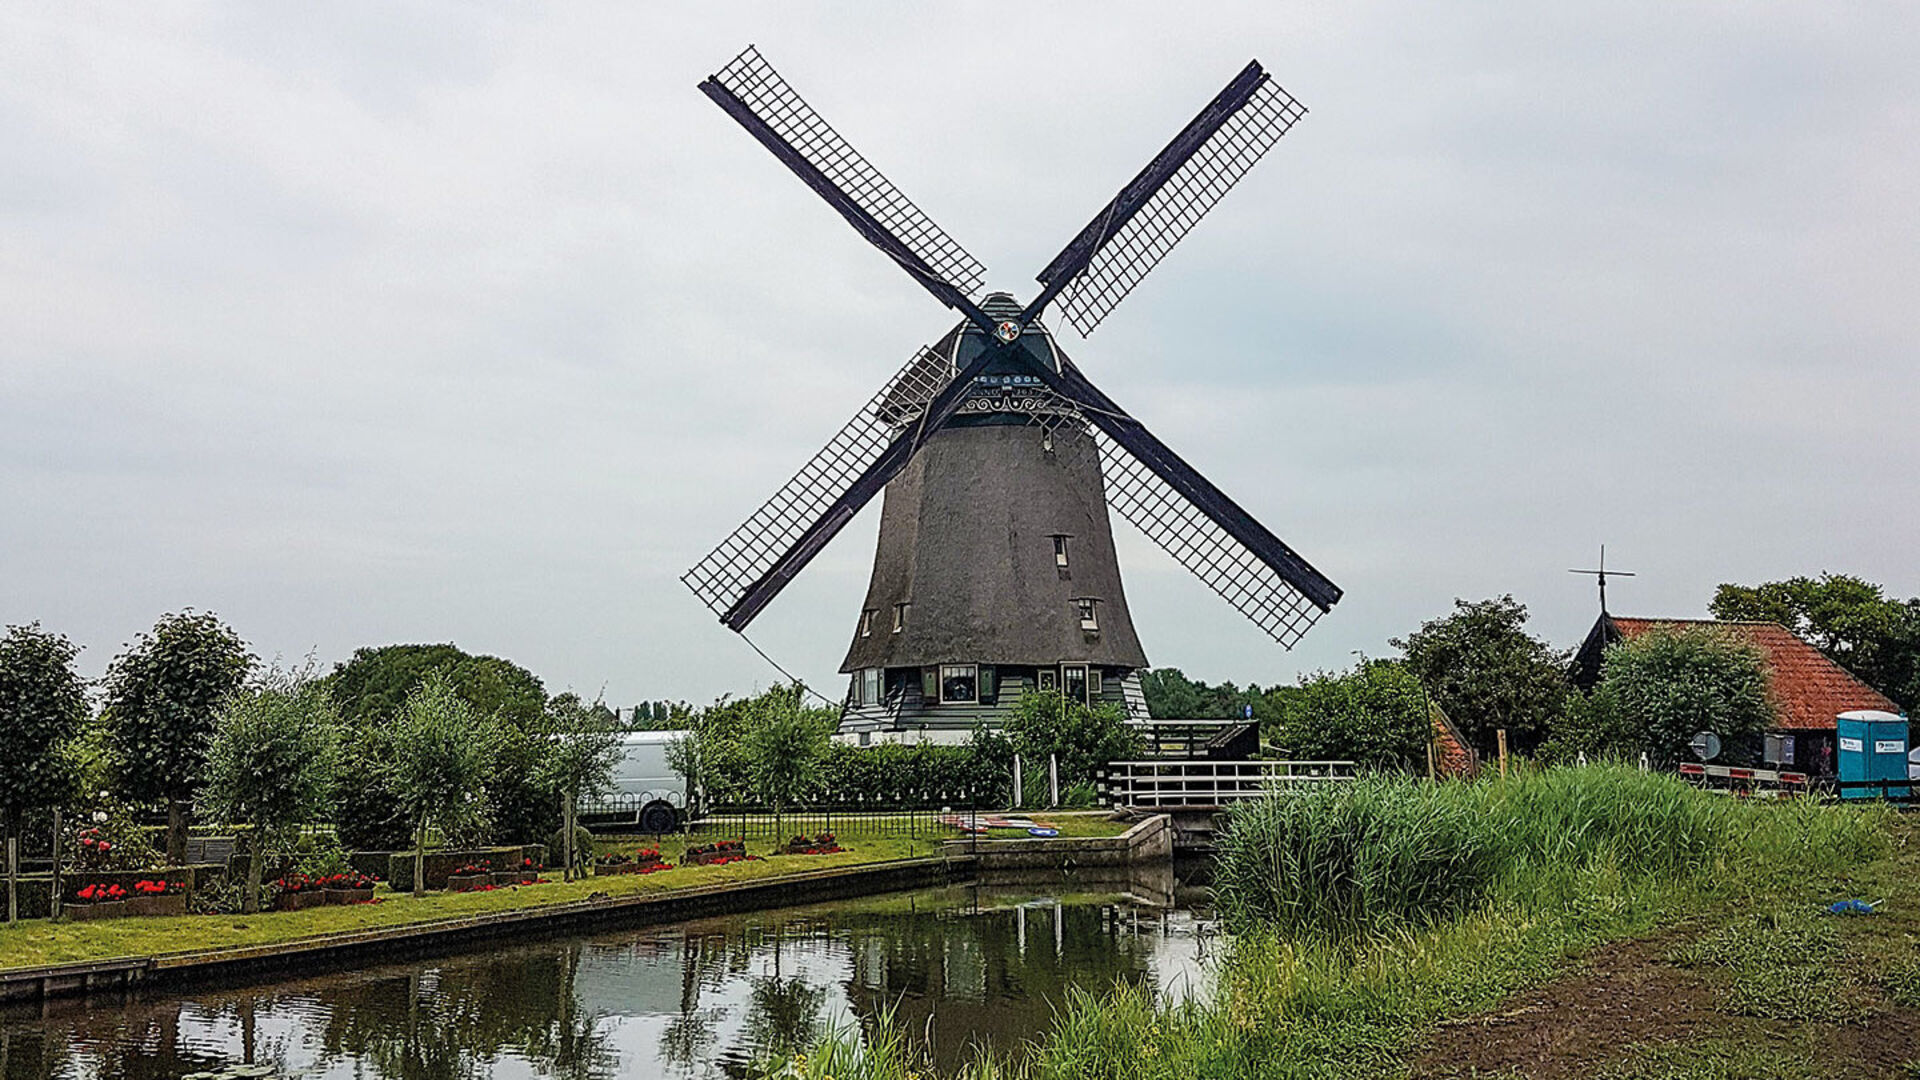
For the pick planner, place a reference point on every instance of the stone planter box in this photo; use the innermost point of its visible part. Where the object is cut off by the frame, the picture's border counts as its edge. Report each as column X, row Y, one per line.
column 606, row 869
column 297, row 901
column 111, row 909
column 348, row 896
column 467, row 882
column 163, row 904
column 503, row 878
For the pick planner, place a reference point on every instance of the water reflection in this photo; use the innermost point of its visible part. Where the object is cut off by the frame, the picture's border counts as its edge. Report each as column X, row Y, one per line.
column 958, row 968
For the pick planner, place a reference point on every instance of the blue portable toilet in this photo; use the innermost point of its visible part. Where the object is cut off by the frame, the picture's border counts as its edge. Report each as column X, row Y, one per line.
column 1873, row 749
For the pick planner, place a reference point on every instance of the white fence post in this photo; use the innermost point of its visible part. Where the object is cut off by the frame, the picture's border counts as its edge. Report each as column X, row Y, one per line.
column 1017, row 792
column 1053, row 780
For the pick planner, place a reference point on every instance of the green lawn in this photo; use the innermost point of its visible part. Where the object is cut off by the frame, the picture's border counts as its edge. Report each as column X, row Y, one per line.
column 35, row 942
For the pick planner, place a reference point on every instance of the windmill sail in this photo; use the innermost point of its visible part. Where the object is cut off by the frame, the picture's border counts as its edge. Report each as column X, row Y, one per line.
column 722, row 578
column 756, row 96
column 1169, row 197
column 1195, row 522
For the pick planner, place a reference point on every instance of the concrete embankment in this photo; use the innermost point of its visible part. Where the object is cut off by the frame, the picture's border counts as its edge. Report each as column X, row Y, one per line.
column 1149, row 842
column 391, row 942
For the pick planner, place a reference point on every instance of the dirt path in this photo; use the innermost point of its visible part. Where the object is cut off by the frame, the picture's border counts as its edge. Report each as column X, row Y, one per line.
column 1814, row 998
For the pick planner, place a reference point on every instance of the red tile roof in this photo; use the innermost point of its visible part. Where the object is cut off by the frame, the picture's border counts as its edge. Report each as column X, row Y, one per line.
column 1808, row 689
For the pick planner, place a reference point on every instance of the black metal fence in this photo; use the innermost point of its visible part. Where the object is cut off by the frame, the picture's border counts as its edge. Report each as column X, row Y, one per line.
column 932, row 819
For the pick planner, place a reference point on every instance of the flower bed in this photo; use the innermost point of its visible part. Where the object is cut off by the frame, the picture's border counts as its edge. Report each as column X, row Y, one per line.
column 473, row 877
column 294, row 892
column 348, row 887
column 643, row 861
column 147, row 896
column 718, row 853
column 820, row 844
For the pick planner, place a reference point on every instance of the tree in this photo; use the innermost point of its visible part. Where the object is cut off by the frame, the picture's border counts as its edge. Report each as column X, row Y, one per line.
column 784, row 749
column 578, row 749
column 272, row 763
column 718, row 747
column 1847, row 618
column 162, row 694
column 1660, row 688
column 43, row 705
column 1171, row 695
column 1488, row 673
column 441, row 750
column 1374, row 715
column 372, row 685
column 1045, row 724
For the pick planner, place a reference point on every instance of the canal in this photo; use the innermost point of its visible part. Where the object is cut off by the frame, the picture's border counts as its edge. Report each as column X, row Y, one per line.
column 961, row 967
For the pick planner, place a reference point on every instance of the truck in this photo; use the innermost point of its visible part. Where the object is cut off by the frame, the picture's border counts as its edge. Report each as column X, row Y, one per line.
column 647, row 794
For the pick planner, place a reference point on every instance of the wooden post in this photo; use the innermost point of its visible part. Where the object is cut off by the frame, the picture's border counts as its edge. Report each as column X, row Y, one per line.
column 1430, row 756
column 1502, row 735
column 53, row 900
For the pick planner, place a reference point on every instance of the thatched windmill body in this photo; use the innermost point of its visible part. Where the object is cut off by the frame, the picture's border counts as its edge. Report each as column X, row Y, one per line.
column 995, row 570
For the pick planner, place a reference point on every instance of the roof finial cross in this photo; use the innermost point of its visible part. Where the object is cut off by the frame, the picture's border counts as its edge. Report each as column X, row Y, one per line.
column 1602, row 573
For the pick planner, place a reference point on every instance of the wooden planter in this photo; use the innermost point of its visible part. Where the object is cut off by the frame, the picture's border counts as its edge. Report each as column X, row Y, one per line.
column 349, row 896
column 506, row 877
column 159, row 904
column 467, row 882
column 108, row 909
column 604, row 869
column 297, row 901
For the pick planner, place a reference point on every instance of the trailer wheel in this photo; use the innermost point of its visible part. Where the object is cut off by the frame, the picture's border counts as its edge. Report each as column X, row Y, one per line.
column 658, row 818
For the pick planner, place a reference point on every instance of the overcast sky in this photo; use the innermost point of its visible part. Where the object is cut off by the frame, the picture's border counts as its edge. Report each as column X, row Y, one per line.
column 384, row 323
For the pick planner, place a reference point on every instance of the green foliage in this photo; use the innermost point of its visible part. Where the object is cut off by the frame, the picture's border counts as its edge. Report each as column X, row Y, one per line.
column 161, row 698
column 719, row 748
column 369, row 813
column 1375, row 714
column 273, row 760
column 784, row 751
column 1365, row 854
column 375, row 682
column 1849, row 619
column 1171, row 695
column 1657, row 690
column 371, row 686
column 1777, row 966
column 1382, row 852
column 441, row 749
column 1488, row 673
column 895, row 774
column 1084, row 737
column 43, row 705
column 578, row 748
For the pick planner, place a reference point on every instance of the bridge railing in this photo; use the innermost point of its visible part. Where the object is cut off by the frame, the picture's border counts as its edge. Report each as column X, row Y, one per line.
column 1209, row 783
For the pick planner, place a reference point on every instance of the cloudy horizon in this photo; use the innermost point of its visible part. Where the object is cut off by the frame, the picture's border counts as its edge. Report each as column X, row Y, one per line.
column 408, row 323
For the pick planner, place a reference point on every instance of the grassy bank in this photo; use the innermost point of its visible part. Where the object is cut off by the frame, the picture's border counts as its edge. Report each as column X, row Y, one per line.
column 39, row 942
column 1370, row 914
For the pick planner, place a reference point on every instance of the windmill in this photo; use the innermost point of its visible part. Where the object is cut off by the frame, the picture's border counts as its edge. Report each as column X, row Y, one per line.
column 995, row 569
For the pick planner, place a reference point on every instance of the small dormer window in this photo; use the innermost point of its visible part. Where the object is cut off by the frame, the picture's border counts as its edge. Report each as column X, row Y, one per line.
column 1089, row 616
column 1060, row 552
column 866, row 623
column 900, row 617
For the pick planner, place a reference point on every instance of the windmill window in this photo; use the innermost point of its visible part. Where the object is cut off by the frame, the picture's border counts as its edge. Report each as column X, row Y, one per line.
column 866, row 623
column 959, row 684
column 1073, row 681
column 1089, row 617
column 1093, row 683
column 1060, row 552
column 900, row 617
column 1048, row 680
column 870, row 686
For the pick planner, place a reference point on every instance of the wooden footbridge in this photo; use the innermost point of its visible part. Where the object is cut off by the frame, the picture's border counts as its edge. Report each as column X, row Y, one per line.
column 1200, row 769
